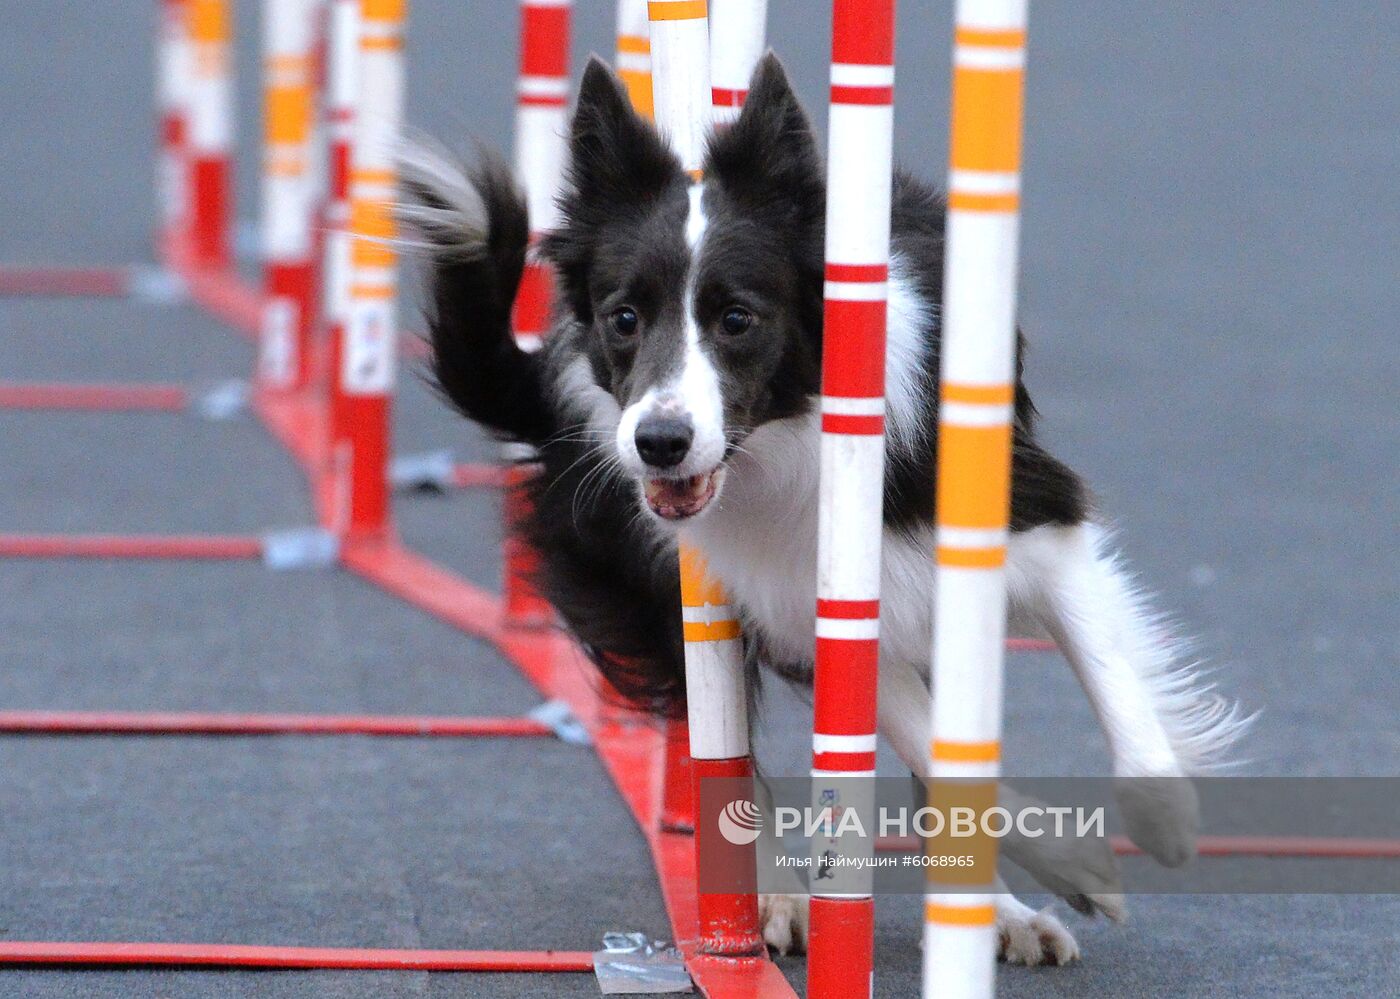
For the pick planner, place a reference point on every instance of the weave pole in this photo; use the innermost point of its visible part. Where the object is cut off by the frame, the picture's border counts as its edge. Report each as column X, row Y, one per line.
column 850, row 524
column 209, row 132
column 736, row 45
column 716, row 703
column 172, row 85
column 288, row 196
column 541, row 148
column 634, row 54
column 634, row 69
column 363, row 373
column 342, row 61
column 974, row 484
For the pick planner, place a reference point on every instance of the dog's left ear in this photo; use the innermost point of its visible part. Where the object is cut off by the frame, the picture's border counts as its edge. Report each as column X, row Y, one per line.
column 770, row 152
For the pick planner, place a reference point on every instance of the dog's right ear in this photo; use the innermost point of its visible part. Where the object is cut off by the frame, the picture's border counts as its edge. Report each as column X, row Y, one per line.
column 614, row 152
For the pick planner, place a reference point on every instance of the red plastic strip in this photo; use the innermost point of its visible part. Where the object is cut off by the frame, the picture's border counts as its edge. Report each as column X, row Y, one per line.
column 242, row 956
column 1335, row 847
column 98, row 282
column 193, row 546
column 211, row 723
column 55, row 395
column 1320, row 847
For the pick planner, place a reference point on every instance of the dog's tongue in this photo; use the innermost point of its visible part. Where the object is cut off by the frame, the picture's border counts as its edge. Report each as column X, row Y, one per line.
column 678, row 498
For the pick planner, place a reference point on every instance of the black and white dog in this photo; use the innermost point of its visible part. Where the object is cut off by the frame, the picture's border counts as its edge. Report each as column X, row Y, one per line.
column 676, row 396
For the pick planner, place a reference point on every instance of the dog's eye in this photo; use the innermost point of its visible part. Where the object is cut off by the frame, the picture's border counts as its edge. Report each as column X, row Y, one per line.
column 624, row 320
column 736, row 320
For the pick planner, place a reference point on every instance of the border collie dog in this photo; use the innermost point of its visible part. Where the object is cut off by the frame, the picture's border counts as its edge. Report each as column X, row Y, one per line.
column 676, row 397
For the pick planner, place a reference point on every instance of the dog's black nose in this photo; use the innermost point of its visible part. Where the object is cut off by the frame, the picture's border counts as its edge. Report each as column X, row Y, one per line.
column 663, row 441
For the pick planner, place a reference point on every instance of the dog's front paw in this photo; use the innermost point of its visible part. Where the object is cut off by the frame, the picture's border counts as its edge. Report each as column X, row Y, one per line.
column 784, row 922
column 1027, row 937
column 1161, row 815
column 1082, row 870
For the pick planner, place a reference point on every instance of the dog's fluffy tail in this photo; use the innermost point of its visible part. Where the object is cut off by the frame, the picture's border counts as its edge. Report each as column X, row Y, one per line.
column 473, row 225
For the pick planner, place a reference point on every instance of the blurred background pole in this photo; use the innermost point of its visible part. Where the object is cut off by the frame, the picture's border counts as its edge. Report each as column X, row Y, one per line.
column 209, row 132
column 288, row 196
column 366, row 369
column 541, row 146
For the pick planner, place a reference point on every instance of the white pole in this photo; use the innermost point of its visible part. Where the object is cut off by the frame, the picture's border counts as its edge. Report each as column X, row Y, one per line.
column 736, row 45
column 172, row 94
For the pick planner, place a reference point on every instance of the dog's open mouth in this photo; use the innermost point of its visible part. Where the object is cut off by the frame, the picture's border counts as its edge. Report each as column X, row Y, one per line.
column 677, row 499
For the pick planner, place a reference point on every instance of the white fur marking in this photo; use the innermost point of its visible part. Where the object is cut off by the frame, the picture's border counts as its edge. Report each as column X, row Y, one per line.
column 695, row 392
column 909, row 323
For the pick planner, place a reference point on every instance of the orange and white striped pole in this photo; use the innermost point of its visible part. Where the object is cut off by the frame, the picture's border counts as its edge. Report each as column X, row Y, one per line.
column 541, row 147
column 736, row 45
column 363, row 375
column 850, row 513
column 634, row 54
column 974, row 483
column 288, row 196
column 717, row 706
column 209, row 132
column 172, row 88
column 716, row 701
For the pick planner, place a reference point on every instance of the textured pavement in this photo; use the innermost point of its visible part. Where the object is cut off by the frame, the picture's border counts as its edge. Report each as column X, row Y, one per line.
column 1209, row 290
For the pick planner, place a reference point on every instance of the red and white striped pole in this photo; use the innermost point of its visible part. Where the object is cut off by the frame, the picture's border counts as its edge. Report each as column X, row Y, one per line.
column 974, row 482
column 209, row 132
column 363, row 376
column 172, row 89
column 541, row 147
column 736, row 45
column 341, row 68
column 714, row 666
column 342, row 54
column 634, row 54
column 288, row 196
column 850, row 524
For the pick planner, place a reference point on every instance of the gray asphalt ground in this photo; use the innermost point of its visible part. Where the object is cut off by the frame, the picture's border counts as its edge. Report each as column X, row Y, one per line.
column 1210, row 243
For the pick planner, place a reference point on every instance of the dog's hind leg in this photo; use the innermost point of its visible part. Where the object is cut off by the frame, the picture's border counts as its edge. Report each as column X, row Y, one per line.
column 1161, row 724
column 1080, row 869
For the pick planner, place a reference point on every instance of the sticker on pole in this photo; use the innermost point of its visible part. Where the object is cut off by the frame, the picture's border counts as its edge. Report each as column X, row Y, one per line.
column 277, row 356
column 368, row 363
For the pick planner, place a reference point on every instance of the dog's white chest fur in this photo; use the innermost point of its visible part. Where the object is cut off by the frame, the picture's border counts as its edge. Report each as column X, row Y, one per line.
column 762, row 543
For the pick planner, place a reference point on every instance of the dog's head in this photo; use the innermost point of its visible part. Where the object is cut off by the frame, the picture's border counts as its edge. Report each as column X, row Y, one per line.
column 699, row 305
